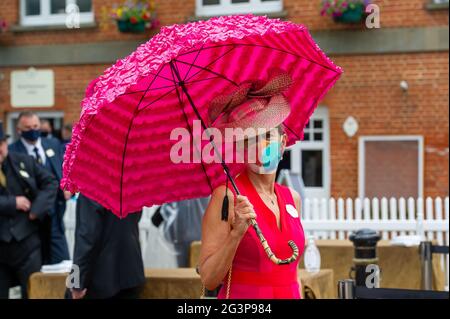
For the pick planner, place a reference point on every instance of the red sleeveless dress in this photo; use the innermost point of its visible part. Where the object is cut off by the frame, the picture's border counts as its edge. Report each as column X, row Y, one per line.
column 253, row 275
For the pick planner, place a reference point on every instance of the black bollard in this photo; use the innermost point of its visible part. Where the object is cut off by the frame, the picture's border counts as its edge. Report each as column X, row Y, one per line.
column 426, row 261
column 365, row 243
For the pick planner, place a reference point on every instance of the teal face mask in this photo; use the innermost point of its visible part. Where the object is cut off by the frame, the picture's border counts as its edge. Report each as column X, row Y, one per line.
column 270, row 157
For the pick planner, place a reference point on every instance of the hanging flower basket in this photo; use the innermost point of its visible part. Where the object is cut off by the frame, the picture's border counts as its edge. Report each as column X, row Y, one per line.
column 345, row 11
column 352, row 15
column 135, row 16
column 127, row 26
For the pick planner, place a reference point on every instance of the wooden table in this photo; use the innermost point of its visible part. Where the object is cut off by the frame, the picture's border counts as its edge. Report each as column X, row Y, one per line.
column 181, row 283
column 400, row 266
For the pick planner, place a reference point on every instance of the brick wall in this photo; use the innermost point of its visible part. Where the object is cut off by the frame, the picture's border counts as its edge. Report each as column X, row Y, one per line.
column 369, row 91
column 70, row 85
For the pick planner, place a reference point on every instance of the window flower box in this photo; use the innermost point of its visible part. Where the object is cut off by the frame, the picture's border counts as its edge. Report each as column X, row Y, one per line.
column 345, row 11
column 135, row 16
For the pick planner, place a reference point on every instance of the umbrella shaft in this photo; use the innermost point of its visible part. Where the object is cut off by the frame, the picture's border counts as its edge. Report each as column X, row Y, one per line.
column 191, row 102
column 258, row 231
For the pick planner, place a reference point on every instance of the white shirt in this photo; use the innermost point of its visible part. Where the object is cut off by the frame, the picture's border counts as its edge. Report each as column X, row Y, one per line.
column 30, row 149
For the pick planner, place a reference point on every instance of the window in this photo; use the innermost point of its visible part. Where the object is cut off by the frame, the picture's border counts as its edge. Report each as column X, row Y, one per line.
column 224, row 7
column 53, row 12
column 390, row 166
column 310, row 157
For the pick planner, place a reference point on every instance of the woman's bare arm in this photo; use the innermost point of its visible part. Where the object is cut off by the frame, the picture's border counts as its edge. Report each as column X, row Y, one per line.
column 221, row 239
column 218, row 243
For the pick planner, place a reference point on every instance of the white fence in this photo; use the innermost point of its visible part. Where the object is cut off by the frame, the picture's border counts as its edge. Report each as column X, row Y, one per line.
column 336, row 219
column 331, row 219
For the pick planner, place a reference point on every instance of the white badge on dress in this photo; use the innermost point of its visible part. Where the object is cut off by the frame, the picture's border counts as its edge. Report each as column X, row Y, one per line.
column 50, row 152
column 292, row 210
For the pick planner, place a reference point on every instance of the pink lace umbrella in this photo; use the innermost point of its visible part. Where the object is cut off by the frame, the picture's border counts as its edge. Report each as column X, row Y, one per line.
column 120, row 150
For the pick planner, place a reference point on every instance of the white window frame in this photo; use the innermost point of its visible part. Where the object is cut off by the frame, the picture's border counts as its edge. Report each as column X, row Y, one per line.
column 320, row 113
column 46, row 18
column 387, row 138
column 226, row 7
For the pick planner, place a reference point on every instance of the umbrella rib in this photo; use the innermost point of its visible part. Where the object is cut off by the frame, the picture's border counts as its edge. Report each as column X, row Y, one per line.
column 176, row 67
column 154, row 89
column 235, row 45
column 200, row 80
column 193, row 62
column 284, row 51
column 210, row 63
column 162, row 77
column 206, row 48
column 181, row 103
column 210, row 71
column 126, row 142
column 291, row 130
column 157, row 99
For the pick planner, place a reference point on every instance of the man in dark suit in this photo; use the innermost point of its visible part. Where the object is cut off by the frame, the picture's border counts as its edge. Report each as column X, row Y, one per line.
column 107, row 253
column 27, row 194
column 47, row 152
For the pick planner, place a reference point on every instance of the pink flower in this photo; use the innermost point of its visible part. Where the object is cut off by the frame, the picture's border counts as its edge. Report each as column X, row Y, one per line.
column 155, row 24
column 3, row 25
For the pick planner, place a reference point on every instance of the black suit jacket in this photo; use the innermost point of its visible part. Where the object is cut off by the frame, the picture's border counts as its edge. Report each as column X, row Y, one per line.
column 24, row 178
column 54, row 162
column 107, row 250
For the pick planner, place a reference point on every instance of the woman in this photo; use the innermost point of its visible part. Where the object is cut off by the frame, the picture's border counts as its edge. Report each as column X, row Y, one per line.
column 235, row 245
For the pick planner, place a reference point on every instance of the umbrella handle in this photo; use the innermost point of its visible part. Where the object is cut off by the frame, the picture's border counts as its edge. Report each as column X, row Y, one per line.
column 268, row 250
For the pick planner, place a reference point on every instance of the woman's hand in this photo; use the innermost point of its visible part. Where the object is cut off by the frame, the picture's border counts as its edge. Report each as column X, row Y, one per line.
column 243, row 212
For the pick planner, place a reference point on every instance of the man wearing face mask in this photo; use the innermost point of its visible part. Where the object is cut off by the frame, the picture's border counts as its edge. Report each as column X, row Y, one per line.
column 27, row 194
column 47, row 153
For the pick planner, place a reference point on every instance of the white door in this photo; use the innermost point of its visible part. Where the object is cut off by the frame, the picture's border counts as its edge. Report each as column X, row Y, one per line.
column 310, row 158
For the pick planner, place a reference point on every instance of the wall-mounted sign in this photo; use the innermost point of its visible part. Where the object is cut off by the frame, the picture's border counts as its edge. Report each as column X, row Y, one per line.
column 32, row 88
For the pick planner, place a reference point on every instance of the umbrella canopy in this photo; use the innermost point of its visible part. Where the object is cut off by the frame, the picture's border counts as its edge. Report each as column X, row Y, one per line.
column 120, row 149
